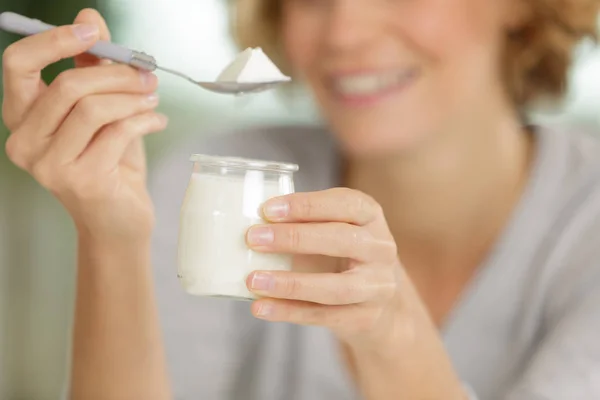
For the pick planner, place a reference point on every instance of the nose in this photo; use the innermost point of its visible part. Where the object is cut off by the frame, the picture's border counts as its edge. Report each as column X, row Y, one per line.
column 352, row 24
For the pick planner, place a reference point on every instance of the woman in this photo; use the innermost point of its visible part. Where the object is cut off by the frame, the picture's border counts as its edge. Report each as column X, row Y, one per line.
column 456, row 258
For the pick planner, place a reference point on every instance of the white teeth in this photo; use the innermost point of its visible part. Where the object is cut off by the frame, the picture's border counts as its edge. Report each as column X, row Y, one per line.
column 368, row 84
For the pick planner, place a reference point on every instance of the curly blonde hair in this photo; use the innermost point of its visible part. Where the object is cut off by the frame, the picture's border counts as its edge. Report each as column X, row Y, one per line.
column 537, row 56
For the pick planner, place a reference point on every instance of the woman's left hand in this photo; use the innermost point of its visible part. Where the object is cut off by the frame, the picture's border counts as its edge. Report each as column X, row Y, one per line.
column 346, row 270
column 347, row 277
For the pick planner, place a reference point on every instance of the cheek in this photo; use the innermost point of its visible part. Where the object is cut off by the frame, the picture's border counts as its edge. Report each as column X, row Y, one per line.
column 301, row 42
column 460, row 37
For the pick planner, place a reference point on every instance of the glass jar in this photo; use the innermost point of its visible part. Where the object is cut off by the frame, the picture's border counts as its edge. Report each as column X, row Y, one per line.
column 222, row 201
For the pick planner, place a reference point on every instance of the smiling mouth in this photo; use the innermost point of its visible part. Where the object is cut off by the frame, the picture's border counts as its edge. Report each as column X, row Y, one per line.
column 371, row 87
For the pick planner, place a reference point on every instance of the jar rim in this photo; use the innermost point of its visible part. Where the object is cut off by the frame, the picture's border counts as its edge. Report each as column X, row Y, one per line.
column 244, row 163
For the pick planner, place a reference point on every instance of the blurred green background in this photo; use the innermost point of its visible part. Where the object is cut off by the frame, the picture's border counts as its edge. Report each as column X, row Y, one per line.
column 36, row 237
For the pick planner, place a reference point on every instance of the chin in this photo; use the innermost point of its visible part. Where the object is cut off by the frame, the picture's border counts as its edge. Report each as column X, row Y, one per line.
column 380, row 135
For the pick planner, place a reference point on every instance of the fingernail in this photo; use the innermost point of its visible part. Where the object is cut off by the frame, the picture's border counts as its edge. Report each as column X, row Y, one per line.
column 260, row 235
column 265, row 309
column 151, row 99
column 276, row 209
column 261, row 281
column 86, row 32
column 148, row 78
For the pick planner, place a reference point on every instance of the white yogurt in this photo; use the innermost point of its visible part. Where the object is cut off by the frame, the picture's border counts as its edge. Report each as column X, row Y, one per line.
column 213, row 257
column 252, row 65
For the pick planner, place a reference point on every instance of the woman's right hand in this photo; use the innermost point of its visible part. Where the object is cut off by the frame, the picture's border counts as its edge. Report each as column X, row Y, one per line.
column 81, row 136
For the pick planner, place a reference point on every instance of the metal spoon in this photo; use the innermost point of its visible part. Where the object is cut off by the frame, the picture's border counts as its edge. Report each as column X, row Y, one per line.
column 21, row 25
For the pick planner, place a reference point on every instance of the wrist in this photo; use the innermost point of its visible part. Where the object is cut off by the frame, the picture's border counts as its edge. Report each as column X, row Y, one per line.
column 105, row 245
column 117, row 222
column 120, row 235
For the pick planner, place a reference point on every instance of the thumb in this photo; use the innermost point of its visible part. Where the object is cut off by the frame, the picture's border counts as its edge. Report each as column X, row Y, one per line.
column 91, row 16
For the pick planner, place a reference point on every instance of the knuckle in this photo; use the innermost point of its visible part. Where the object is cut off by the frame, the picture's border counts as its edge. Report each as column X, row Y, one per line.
column 11, row 58
column 117, row 130
column 389, row 289
column 58, row 38
column 88, row 110
column 44, row 174
column 355, row 288
column 113, row 137
column 130, row 127
column 377, row 209
column 306, row 207
column 344, row 294
column 359, row 203
column 294, row 238
column 8, row 117
column 367, row 206
column 360, row 243
column 359, row 236
column 390, row 249
column 66, row 84
column 384, row 250
column 347, row 193
column 344, row 191
column 290, row 287
column 15, row 151
column 119, row 133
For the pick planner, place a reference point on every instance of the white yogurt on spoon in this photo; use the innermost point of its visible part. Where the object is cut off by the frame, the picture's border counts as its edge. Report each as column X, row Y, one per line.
column 252, row 65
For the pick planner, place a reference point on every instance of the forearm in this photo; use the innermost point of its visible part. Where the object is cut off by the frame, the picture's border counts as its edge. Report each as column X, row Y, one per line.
column 410, row 363
column 117, row 348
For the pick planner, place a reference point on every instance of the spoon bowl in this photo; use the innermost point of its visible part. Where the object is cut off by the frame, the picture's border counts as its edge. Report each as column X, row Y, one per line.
column 239, row 88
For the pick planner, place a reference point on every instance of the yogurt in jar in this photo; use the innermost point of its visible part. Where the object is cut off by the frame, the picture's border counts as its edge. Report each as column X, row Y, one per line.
column 222, row 201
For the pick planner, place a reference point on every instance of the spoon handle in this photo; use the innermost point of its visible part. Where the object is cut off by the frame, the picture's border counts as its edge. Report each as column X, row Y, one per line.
column 21, row 25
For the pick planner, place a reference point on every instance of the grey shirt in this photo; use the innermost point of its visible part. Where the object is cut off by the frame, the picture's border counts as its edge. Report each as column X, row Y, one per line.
column 526, row 328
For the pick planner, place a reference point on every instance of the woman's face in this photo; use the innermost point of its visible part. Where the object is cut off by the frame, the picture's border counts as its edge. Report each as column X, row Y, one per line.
column 389, row 74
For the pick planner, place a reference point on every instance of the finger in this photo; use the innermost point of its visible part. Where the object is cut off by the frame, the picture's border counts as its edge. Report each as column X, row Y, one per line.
column 89, row 116
column 352, row 318
column 350, row 287
column 339, row 204
column 111, row 143
column 53, row 106
column 93, row 17
column 24, row 60
column 333, row 239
